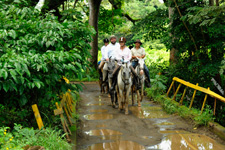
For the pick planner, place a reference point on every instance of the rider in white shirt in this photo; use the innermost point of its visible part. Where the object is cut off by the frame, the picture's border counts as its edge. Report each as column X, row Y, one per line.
column 110, row 53
column 123, row 53
column 106, row 43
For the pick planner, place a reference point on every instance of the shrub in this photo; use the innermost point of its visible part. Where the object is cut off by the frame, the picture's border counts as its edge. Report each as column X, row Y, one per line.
column 36, row 51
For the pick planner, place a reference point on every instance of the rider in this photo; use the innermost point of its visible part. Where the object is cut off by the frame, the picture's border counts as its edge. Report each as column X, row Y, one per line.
column 139, row 52
column 124, row 54
column 109, row 53
column 106, row 42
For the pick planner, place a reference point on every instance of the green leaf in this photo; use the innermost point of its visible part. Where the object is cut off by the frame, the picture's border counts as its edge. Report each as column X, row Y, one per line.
column 78, row 64
column 4, row 74
column 48, row 43
column 13, row 74
column 38, row 85
column 6, row 86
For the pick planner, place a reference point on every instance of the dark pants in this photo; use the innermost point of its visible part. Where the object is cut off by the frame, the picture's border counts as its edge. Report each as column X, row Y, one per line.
column 135, row 63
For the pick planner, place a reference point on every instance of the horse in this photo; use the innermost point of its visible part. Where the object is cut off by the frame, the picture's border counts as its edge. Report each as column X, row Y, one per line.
column 111, row 64
column 124, row 83
column 141, row 77
column 103, row 87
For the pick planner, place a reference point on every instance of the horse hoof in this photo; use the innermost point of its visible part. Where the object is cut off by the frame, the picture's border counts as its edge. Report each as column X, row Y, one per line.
column 139, row 105
column 109, row 96
column 113, row 106
column 126, row 113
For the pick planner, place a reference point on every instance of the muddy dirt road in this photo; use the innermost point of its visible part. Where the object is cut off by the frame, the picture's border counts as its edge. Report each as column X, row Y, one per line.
column 147, row 127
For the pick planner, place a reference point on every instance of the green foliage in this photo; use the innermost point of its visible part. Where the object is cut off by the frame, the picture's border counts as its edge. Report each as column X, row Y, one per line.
column 153, row 26
column 157, row 85
column 171, row 106
column 36, row 51
column 20, row 137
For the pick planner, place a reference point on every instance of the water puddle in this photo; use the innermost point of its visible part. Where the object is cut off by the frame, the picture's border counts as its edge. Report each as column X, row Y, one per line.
column 103, row 132
column 163, row 131
column 118, row 145
column 147, row 137
column 148, row 112
column 98, row 116
column 165, row 124
column 188, row 141
column 97, row 104
column 98, row 110
column 101, row 126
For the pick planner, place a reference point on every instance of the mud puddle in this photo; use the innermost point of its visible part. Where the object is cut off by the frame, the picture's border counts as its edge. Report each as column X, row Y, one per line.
column 98, row 116
column 189, row 142
column 118, row 145
column 146, row 127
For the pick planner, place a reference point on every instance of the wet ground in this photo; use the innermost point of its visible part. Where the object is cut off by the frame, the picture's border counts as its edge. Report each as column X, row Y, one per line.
column 145, row 128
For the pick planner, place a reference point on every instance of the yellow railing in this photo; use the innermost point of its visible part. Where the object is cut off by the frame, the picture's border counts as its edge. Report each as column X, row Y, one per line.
column 196, row 88
column 66, row 105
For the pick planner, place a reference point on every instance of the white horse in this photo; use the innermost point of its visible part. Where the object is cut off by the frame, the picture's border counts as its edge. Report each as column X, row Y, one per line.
column 124, row 83
column 140, row 71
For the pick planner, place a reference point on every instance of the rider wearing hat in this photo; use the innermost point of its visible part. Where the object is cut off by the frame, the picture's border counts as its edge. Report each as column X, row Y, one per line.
column 106, row 42
column 110, row 53
column 123, row 53
column 139, row 52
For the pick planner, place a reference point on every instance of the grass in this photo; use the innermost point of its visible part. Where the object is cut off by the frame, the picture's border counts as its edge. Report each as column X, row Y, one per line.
column 173, row 107
column 20, row 138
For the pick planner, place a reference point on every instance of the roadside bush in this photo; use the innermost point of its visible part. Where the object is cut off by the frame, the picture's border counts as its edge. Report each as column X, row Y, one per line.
column 21, row 137
column 36, row 51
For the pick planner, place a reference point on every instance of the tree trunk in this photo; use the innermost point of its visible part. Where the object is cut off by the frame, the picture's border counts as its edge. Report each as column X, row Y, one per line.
column 94, row 6
column 173, row 51
column 211, row 2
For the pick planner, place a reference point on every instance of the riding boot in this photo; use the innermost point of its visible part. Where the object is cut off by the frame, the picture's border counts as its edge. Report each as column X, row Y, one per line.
column 114, row 78
column 136, row 78
column 100, row 74
column 148, row 82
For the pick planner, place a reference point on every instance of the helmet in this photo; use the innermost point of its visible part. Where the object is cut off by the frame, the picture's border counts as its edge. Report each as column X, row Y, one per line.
column 106, row 40
column 122, row 39
column 112, row 36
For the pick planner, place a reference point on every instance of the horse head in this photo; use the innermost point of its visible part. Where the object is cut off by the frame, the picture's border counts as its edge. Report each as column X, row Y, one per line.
column 111, row 67
column 141, row 63
column 126, row 73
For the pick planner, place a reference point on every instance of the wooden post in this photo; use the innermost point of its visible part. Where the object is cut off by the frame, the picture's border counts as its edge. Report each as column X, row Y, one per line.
column 192, row 100
column 203, row 105
column 167, row 94
column 214, row 111
column 182, row 98
column 64, row 124
column 175, row 94
column 37, row 116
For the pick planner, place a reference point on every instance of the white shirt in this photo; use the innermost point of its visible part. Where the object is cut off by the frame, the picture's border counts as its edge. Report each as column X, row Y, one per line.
column 103, row 52
column 110, row 50
column 126, row 53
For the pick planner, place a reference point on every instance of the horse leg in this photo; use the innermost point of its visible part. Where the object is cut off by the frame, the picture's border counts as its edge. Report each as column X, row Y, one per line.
column 112, row 99
column 120, row 99
column 126, row 103
column 124, row 98
column 138, row 98
column 132, row 94
column 142, row 92
column 107, row 89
